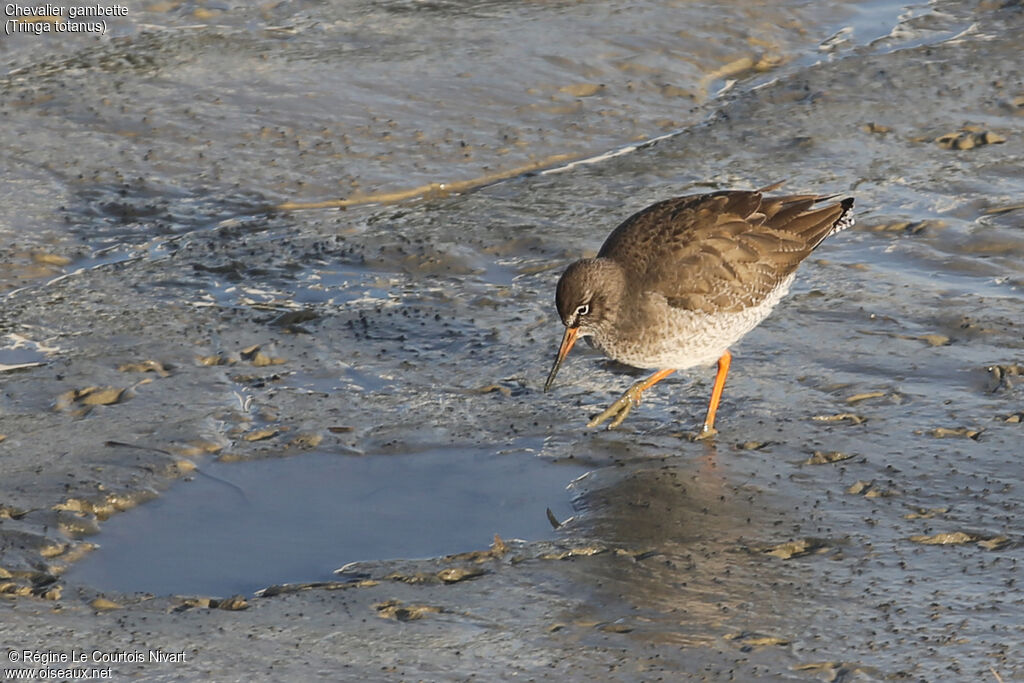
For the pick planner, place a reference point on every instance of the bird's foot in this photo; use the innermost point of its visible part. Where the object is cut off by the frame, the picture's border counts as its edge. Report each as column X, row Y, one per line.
column 705, row 433
column 620, row 409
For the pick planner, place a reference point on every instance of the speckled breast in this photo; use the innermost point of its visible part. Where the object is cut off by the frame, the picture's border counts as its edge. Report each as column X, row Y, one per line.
column 669, row 337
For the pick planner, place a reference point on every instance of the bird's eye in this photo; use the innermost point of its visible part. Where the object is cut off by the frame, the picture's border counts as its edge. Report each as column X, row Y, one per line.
column 583, row 310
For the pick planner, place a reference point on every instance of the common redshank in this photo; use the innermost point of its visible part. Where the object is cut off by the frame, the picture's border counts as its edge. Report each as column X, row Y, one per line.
column 678, row 283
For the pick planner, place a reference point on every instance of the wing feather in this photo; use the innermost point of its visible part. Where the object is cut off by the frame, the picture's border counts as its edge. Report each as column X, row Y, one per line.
column 723, row 251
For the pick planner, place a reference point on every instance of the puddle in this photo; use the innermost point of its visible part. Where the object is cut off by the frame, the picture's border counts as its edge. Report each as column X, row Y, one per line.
column 239, row 527
column 17, row 359
column 19, row 352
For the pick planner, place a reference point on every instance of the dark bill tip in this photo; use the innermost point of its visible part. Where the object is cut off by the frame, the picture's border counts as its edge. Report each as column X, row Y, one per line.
column 551, row 375
column 568, row 339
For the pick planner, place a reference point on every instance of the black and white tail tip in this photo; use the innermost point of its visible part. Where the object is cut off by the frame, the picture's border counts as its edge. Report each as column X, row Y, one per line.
column 846, row 218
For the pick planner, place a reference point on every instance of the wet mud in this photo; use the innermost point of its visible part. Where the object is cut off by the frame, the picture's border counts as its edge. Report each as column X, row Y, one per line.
column 857, row 516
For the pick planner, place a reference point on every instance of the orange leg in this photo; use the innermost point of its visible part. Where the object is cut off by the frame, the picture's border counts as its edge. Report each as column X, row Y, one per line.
column 716, row 393
column 620, row 409
column 652, row 380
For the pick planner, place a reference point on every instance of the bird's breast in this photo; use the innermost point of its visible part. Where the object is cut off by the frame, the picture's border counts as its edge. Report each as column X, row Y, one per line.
column 654, row 334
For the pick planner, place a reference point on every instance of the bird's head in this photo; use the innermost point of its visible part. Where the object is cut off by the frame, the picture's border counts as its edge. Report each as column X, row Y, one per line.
column 588, row 297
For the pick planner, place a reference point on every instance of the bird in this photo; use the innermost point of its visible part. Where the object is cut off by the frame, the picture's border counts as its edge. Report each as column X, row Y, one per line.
column 676, row 284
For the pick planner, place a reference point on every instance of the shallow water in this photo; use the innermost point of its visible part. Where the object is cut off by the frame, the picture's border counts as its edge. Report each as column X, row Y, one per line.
column 180, row 120
column 238, row 527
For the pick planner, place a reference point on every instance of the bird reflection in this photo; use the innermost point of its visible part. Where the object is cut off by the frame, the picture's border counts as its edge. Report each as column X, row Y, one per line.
column 682, row 526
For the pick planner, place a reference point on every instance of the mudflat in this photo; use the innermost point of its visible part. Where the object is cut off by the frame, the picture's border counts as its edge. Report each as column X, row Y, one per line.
column 309, row 232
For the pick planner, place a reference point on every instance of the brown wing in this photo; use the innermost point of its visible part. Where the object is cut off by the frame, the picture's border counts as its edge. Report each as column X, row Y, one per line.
column 723, row 251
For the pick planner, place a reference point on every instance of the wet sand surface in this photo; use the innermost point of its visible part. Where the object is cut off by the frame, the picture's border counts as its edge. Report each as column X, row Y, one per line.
column 857, row 517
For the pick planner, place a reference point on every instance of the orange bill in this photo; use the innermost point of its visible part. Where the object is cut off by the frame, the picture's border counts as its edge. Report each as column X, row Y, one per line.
column 568, row 339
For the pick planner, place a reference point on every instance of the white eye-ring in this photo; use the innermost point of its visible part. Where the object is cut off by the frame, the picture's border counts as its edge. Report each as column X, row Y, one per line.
column 583, row 310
